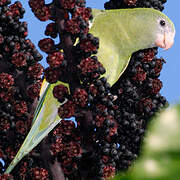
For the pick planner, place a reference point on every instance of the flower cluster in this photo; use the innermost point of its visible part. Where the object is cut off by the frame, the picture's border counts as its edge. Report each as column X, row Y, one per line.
column 4, row 3
column 78, row 25
column 19, row 73
column 40, row 10
column 38, row 173
column 60, row 92
column 122, row 4
column 6, row 81
column 51, row 30
column 66, row 146
column 90, row 69
column 6, row 177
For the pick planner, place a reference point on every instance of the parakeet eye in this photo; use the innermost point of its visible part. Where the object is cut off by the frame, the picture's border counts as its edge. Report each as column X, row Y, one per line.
column 162, row 23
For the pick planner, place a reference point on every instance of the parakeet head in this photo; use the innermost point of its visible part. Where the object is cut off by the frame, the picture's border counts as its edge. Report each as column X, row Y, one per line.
column 160, row 27
column 165, row 31
column 142, row 27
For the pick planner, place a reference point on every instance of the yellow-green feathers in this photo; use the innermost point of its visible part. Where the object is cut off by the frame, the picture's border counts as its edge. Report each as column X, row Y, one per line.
column 121, row 33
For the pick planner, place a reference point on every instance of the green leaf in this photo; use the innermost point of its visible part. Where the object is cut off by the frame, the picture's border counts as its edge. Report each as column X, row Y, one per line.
column 45, row 119
column 160, row 158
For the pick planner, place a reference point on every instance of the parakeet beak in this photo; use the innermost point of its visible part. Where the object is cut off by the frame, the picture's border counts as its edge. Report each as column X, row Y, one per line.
column 165, row 40
column 168, row 40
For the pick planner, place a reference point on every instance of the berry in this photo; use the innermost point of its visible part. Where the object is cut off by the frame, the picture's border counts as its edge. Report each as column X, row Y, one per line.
column 91, row 67
column 39, row 9
column 85, row 13
column 20, row 108
column 68, row 4
column 38, row 173
column 46, row 45
column 72, row 26
column 89, row 45
column 155, row 86
column 19, row 59
column 60, row 92
column 80, row 97
column 7, row 95
column 130, row 2
column 52, row 75
column 4, row 2
column 108, row 172
column 65, row 128
column 140, row 74
column 6, row 177
column 73, row 149
column 4, row 124
column 55, row 59
column 148, row 55
column 21, row 127
column 35, row 71
column 1, row 39
column 158, row 66
column 66, row 110
column 51, row 30
column 6, row 81
column 33, row 90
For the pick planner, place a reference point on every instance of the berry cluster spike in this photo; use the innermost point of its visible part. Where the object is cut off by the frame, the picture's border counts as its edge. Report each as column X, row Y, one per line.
column 122, row 4
column 101, row 125
column 20, row 82
column 111, row 121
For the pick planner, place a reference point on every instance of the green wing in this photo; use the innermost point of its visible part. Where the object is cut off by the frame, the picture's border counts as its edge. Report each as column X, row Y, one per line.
column 114, row 49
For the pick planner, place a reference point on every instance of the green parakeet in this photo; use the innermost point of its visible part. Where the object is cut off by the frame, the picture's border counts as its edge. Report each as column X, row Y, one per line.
column 121, row 33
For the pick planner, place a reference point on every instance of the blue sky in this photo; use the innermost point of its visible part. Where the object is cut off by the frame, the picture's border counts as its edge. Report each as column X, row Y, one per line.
column 170, row 73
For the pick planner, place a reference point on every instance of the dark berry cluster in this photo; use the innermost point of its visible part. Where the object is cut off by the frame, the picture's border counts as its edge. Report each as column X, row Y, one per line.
column 109, row 122
column 66, row 146
column 137, row 91
column 89, row 101
column 31, row 167
column 40, row 10
column 78, row 25
column 90, row 68
column 38, row 173
column 51, row 30
column 6, row 177
column 122, row 4
column 60, row 92
column 56, row 59
column 4, row 2
column 20, row 81
column 138, row 99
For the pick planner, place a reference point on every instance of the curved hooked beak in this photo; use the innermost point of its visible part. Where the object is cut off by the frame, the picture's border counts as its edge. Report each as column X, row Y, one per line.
column 165, row 41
